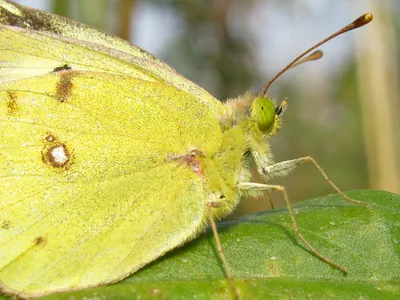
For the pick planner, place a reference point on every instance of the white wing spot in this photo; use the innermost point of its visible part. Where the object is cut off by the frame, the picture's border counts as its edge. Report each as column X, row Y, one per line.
column 59, row 155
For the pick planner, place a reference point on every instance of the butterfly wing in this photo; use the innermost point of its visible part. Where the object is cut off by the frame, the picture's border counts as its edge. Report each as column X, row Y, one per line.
column 90, row 185
column 44, row 28
column 89, row 189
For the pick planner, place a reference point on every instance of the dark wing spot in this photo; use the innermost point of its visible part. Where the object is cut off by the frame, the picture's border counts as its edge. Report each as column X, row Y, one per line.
column 278, row 110
column 64, row 86
column 65, row 67
column 6, row 225
column 11, row 102
column 40, row 240
column 50, row 138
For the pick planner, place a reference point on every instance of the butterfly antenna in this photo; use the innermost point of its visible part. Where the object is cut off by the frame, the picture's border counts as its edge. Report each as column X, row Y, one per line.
column 361, row 21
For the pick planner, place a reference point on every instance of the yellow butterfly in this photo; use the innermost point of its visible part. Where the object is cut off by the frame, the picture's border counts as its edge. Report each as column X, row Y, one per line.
column 110, row 158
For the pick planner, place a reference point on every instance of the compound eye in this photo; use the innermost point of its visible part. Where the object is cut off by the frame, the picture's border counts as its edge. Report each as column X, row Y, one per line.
column 263, row 111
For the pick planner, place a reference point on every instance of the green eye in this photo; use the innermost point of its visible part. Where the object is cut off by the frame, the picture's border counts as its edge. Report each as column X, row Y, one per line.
column 263, row 111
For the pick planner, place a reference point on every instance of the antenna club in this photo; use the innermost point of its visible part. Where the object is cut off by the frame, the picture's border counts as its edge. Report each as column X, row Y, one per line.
column 363, row 20
column 318, row 54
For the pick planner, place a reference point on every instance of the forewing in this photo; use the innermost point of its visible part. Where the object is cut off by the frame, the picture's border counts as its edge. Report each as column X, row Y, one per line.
column 64, row 41
column 91, row 184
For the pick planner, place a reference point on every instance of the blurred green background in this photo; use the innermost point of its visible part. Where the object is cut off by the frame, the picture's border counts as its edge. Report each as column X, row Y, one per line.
column 344, row 110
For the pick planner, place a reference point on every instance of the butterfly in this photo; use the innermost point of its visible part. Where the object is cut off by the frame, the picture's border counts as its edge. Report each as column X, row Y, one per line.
column 110, row 158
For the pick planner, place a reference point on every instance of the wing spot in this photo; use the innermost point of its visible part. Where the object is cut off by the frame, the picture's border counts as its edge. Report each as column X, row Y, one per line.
column 40, row 240
column 50, row 138
column 57, row 156
column 6, row 224
column 12, row 104
column 64, row 85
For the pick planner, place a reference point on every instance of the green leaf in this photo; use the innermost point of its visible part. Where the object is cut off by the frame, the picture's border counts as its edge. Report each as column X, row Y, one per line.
column 268, row 260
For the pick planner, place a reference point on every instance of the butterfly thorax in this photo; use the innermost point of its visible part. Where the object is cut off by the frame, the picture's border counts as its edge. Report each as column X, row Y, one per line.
column 247, row 125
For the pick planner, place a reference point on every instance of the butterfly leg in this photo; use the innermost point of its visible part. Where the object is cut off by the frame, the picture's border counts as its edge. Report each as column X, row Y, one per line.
column 249, row 186
column 221, row 250
column 284, row 167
